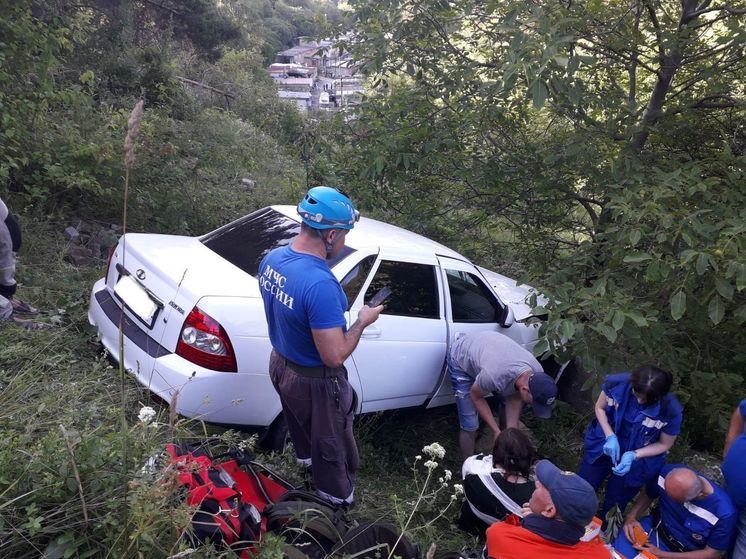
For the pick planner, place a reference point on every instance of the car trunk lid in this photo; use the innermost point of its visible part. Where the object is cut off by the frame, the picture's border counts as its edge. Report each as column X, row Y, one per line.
column 174, row 273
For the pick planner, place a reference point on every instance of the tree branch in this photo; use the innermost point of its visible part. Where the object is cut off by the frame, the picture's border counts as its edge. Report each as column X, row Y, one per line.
column 657, row 27
column 728, row 9
column 162, row 7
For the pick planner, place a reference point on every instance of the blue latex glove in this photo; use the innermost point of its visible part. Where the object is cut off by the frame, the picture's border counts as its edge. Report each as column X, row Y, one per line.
column 625, row 463
column 611, row 448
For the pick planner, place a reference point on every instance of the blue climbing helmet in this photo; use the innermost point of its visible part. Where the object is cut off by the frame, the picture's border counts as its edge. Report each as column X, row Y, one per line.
column 324, row 207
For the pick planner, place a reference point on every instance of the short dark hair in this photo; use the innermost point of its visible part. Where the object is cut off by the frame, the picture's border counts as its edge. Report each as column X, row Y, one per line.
column 651, row 383
column 514, row 452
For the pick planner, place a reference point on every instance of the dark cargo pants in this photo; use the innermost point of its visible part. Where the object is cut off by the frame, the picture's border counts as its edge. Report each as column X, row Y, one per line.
column 319, row 412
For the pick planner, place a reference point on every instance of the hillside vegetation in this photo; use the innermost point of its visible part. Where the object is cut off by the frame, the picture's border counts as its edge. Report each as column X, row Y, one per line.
column 594, row 149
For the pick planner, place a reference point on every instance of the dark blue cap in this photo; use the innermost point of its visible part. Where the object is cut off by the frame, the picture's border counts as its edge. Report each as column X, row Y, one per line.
column 543, row 393
column 573, row 497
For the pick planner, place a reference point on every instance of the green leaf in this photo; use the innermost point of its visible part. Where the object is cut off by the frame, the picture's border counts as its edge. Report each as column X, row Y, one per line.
column 702, row 261
column 637, row 318
column 634, row 236
column 589, row 382
column 740, row 276
column 617, row 320
column 562, row 60
column 724, row 288
column 716, row 309
column 608, row 332
column 539, row 93
column 637, row 257
column 678, row 305
column 541, row 347
column 740, row 314
column 567, row 329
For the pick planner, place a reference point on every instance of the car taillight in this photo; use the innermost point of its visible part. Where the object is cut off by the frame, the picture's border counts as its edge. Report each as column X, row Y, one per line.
column 203, row 341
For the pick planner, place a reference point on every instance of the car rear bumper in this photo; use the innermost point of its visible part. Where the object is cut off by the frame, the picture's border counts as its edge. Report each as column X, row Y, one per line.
column 228, row 398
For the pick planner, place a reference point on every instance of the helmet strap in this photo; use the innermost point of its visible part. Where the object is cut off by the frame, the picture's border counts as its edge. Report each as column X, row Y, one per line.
column 329, row 246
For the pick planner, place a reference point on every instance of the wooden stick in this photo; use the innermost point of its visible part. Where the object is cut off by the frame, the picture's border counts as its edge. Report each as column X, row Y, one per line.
column 205, row 86
column 76, row 473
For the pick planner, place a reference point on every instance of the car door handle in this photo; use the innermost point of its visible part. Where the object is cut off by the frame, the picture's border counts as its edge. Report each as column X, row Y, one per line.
column 371, row 332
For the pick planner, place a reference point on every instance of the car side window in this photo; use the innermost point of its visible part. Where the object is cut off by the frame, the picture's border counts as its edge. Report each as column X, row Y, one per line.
column 355, row 278
column 471, row 299
column 414, row 289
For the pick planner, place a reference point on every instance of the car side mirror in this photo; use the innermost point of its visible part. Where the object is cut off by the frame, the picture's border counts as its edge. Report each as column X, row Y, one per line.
column 507, row 318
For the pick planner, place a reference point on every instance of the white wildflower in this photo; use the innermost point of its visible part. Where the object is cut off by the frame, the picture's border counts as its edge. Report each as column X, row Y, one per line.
column 440, row 480
column 453, row 497
column 431, row 464
column 458, row 488
column 418, row 457
column 435, row 450
column 146, row 414
column 448, row 475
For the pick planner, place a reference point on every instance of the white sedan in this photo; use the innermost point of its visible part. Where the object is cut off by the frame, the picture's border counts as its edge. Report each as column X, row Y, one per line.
column 195, row 333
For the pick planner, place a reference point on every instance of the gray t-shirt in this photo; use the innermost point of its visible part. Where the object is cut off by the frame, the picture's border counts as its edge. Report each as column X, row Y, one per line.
column 493, row 360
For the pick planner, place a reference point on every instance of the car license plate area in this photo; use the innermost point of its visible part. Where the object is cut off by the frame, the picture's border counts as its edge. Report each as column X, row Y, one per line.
column 137, row 299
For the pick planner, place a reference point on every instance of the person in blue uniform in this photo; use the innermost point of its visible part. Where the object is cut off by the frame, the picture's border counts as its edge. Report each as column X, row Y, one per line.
column 637, row 422
column 734, row 473
column 305, row 308
column 694, row 517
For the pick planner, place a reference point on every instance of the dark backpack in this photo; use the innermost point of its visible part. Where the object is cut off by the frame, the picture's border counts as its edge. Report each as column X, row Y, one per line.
column 229, row 497
column 308, row 522
column 376, row 540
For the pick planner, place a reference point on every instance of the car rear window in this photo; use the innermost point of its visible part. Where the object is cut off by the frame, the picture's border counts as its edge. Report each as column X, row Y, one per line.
column 247, row 240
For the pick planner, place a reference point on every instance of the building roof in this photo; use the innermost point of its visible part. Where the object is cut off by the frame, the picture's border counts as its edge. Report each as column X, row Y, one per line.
column 295, row 51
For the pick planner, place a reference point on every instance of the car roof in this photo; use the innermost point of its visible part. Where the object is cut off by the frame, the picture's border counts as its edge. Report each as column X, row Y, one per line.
column 371, row 233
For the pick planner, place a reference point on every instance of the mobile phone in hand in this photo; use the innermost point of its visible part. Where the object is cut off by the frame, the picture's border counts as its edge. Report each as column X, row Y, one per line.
column 380, row 297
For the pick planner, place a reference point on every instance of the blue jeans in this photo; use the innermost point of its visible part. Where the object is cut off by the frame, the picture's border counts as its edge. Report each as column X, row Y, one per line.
column 461, row 382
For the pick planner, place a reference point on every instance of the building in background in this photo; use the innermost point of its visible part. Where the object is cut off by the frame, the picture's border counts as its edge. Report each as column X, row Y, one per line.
column 316, row 76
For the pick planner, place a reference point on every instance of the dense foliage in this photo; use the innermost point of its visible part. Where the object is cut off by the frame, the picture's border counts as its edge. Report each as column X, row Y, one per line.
column 71, row 73
column 597, row 146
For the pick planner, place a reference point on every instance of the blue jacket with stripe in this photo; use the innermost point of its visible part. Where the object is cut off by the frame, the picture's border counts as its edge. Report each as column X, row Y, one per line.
column 666, row 417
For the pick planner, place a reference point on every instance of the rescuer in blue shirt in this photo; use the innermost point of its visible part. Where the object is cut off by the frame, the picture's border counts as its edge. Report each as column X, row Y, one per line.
column 637, row 422
column 734, row 473
column 694, row 517
column 305, row 305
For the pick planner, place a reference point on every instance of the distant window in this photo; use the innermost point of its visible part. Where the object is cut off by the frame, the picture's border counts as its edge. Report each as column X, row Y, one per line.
column 471, row 299
column 414, row 288
column 247, row 240
column 355, row 278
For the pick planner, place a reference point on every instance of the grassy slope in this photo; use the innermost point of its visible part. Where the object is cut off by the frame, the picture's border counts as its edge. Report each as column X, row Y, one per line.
column 58, row 379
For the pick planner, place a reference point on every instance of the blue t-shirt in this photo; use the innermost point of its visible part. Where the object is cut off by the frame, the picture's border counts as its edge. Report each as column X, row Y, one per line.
column 300, row 293
column 734, row 466
column 709, row 521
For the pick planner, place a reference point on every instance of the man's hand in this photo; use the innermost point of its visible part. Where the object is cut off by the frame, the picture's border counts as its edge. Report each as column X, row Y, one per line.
column 649, row 547
column 335, row 345
column 629, row 526
column 368, row 315
column 525, row 509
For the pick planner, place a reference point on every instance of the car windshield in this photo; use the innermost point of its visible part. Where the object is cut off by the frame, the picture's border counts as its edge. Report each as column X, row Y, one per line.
column 247, row 240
